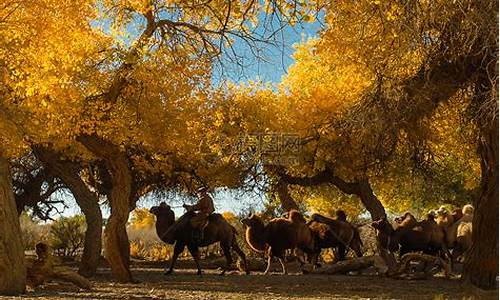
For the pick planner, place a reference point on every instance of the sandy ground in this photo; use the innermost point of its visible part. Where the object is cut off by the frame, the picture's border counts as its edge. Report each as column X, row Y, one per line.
column 185, row 284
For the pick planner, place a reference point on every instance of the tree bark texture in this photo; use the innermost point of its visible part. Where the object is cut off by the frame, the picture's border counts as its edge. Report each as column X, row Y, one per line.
column 481, row 265
column 88, row 202
column 117, row 245
column 12, row 267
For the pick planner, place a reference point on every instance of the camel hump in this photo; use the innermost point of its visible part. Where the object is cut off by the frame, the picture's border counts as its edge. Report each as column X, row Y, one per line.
column 215, row 217
column 321, row 219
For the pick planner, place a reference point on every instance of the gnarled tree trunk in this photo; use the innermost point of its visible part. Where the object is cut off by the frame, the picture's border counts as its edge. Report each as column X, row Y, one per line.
column 92, row 247
column 369, row 199
column 117, row 246
column 116, row 239
column 88, row 202
column 481, row 265
column 12, row 267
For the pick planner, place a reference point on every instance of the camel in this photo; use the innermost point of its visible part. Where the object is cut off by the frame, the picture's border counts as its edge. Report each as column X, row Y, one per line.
column 459, row 234
column 330, row 233
column 277, row 236
column 406, row 221
column 410, row 235
column 217, row 230
column 443, row 217
column 457, row 214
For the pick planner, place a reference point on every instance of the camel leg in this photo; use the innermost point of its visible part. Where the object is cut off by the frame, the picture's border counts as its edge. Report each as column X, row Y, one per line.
column 178, row 248
column 269, row 261
column 357, row 248
column 305, row 256
column 314, row 258
column 341, row 252
column 283, row 265
column 195, row 253
column 402, row 251
column 242, row 255
column 229, row 259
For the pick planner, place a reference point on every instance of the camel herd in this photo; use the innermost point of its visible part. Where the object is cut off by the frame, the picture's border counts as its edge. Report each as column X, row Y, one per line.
column 440, row 232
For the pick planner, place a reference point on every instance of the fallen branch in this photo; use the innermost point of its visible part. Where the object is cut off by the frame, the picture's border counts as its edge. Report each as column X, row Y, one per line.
column 403, row 270
column 44, row 269
column 430, row 262
column 355, row 264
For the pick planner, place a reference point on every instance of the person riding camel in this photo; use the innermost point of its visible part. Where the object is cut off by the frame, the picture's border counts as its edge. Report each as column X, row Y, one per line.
column 203, row 208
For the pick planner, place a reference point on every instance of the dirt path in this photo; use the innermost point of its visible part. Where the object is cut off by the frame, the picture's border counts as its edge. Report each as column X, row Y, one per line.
column 184, row 284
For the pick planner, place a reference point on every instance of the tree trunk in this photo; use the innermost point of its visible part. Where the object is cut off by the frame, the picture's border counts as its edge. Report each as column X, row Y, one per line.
column 92, row 247
column 88, row 202
column 287, row 202
column 12, row 267
column 117, row 246
column 370, row 200
column 481, row 265
column 116, row 239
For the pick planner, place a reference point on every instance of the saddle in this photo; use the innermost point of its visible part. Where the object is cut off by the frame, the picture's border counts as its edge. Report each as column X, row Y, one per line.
column 199, row 222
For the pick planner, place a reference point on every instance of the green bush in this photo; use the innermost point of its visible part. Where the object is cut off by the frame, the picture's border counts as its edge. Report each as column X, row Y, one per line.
column 68, row 235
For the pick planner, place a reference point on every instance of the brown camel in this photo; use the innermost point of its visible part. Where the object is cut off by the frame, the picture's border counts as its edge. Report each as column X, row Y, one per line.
column 406, row 221
column 443, row 217
column 459, row 234
column 278, row 235
column 457, row 214
column 217, row 230
column 330, row 233
column 411, row 236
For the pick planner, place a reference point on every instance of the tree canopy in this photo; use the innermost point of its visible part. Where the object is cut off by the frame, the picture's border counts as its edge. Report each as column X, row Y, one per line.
column 394, row 103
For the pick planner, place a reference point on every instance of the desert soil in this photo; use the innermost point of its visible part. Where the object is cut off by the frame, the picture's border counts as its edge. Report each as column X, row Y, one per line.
column 185, row 284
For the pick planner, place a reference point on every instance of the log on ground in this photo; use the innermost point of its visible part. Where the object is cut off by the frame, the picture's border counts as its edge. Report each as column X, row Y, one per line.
column 354, row 264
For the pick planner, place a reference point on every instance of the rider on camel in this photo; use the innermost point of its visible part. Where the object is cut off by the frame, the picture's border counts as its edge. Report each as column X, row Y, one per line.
column 204, row 207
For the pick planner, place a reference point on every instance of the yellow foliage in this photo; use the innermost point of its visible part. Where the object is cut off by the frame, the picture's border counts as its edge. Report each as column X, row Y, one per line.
column 142, row 219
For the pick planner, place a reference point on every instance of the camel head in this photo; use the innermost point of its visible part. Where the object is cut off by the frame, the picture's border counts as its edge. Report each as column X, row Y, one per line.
column 468, row 209
column 431, row 216
column 442, row 211
column 406, row 216
column 162, row 211
column 406, row 221
column 252, row 221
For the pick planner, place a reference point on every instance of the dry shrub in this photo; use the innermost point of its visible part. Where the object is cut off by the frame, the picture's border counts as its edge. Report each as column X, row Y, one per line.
column 32, row 231
column 146, row 245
